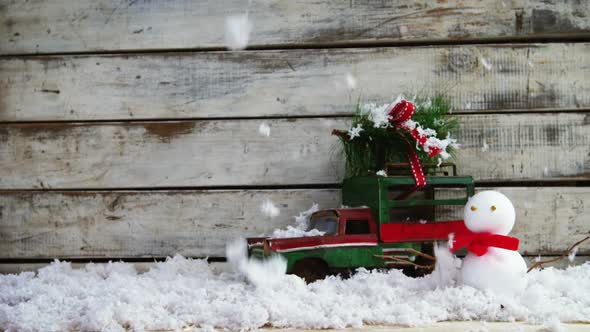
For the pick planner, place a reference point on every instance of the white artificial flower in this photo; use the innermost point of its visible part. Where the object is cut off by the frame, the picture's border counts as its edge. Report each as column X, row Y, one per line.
column 355, row 131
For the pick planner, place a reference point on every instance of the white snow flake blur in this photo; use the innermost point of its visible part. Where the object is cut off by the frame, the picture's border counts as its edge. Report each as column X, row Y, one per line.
column 182, row 293
column 264, row 129
column 260, row 273
column 484, row 146
column 572, row 255
column 237, row 31
column 350, row 81
column 485, row 63
column 269, row 209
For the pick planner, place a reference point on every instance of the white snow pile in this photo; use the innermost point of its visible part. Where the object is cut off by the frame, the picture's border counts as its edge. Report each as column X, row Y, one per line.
column 181, row 293
column 379, row 114
column 258, row 272
column 301, row 225
column 381, row 173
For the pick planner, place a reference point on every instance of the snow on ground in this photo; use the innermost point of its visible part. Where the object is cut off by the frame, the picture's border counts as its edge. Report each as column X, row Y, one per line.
column 182, row 292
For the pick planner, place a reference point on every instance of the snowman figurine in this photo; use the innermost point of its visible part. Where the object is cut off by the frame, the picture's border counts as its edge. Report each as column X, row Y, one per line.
column 493, row 261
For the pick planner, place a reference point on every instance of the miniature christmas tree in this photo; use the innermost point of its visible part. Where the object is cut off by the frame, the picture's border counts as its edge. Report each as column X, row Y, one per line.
column 396, row 133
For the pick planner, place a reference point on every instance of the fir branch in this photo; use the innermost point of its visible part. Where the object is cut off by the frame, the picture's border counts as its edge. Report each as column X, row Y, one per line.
column 377, row 146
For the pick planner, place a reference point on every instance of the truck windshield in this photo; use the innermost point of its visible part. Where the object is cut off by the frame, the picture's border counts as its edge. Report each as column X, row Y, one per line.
column 324, row 221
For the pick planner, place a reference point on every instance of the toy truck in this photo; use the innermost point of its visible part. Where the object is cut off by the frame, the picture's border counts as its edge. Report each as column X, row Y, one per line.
column 388, row 226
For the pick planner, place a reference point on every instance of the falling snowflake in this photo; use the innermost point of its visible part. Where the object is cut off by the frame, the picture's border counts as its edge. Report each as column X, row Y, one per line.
column 237, row 31
column 451, row 240
column 264, row 129
column 485, row 63
column 485, row 146
column 350, row 81
column 572, row 255
column 269, row 209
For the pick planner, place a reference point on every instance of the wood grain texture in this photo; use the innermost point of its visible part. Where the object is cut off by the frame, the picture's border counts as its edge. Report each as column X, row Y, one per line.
column 548, row 219
column 298, row 151
column 200, row 223
column 140, row 224
column 112, row 25
column 216, row 267
column 291, row 82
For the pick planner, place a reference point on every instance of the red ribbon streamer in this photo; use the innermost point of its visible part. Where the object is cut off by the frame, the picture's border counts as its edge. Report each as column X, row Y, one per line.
column 479, row 243
column 399, row 114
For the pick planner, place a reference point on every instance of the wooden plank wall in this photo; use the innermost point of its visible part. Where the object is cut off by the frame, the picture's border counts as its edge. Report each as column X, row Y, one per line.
column 127, row 130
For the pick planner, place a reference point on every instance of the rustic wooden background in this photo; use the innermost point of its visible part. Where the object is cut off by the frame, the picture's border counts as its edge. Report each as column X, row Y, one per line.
column 128, row 131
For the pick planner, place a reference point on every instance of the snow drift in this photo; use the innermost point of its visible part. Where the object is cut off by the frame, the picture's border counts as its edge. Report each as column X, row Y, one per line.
column 183, row 292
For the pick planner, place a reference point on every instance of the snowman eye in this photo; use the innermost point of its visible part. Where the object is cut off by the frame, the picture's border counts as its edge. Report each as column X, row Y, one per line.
column 473, row 208
column 493, row 208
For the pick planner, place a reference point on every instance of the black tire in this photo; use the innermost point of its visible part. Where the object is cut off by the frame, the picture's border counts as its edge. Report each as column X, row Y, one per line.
column 311, row 269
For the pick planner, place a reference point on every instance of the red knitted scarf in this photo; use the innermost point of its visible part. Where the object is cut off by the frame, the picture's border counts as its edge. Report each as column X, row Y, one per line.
column 479, row 243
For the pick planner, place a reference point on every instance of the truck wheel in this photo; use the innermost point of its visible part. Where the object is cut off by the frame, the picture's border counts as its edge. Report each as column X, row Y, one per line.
column 410, row 271
column 310, row 269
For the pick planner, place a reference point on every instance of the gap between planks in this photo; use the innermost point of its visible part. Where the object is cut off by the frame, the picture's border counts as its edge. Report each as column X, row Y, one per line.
column 544, row 183
column 538, row 39
column 457, row 112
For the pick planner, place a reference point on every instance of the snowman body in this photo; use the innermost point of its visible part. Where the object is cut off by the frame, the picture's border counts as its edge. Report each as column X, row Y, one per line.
column 499, row 270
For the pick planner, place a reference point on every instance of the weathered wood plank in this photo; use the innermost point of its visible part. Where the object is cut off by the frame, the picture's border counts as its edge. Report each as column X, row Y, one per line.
column 548, row 219
column 298, row 151
column 140, row 224
column 88, row 25
column 216, row 267
column 200, row 223
column 292, row 82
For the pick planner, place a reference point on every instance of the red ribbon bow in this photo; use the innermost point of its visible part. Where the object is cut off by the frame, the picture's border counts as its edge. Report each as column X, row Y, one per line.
column 398, row 116
column 479, row 243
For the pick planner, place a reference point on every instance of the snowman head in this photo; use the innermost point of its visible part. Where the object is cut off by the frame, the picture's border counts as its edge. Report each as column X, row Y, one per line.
column 489, row 212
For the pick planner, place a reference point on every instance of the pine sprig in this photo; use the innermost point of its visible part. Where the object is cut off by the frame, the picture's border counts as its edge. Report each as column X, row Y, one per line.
column 376, row 146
